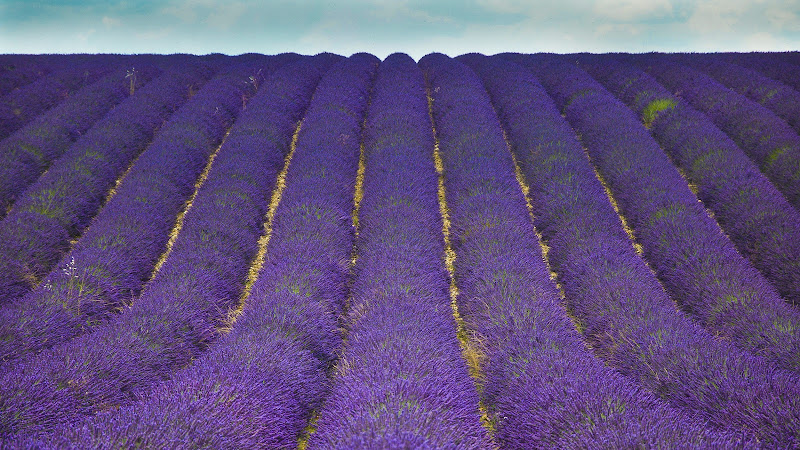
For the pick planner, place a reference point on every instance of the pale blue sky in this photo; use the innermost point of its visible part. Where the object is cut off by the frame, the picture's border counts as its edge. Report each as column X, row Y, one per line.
column 385, row 26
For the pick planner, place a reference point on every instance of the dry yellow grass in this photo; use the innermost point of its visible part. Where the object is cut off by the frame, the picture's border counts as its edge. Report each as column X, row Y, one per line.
column 468, row 340
column 263, row 241
column 610, row 195
column 176, row 229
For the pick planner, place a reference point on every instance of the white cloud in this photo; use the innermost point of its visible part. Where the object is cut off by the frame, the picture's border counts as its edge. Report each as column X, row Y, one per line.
column 83, row 36
column 764, row 41
column 225, row 16
column 632, row 10
column 187, row 10
column 783, row 19
column 110, row 21
column 713, row 16
column 400, row 10
column 618, row 28
column 221, row 16
column 153, row 35
column 506, row 6
column 326, row 34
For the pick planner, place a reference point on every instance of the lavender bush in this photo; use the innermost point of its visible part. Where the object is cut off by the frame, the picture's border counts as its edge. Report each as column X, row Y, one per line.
column 181, row 310
column 21, row 106
column 287, row 335
column 627, row 316
column 61, row 203
column 108, row 265
column 164, row 284
column 400, row 381
column 507, row 297
column 781, row 99
column 766, row 138
column 772, row 65
column 27, row 153
column 21, row 71
column 710, row 280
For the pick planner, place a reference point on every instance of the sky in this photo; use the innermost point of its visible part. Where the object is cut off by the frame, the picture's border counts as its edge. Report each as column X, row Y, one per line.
column 382, row 27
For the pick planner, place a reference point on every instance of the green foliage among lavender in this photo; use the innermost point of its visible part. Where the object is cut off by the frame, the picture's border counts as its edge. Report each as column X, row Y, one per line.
column 165, row 284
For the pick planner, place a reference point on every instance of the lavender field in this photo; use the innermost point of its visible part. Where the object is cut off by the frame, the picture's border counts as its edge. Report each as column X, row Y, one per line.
column 517, row 251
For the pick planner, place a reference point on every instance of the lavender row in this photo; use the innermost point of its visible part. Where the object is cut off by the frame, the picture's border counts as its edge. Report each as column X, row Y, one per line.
column 288, row 334
column 62, row 202
column 774, row 95
column 766, row 138
column 182, row 308
column 21, row 106
column 30, row 151
column 401, row 381
column 108, row 266
column 27, row 153
column 627, row 316
column 20, row 71
column 711, row 280
column 286, row 337
column 779, row 69
column 533, row 354
column 572, row 211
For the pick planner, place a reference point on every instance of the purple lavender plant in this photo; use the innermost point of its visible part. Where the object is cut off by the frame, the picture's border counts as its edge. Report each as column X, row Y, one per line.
column 776, row 96
column 116, row 255
column 21, row 106
column 540, row 385
column 260, row 382
column 28, row 152
column 62, row 202
column 710, row 279
column 21, row 71
column 626, row 316
column 766, row 138
column 771, row 65
column 400, row 381
column 181, row 309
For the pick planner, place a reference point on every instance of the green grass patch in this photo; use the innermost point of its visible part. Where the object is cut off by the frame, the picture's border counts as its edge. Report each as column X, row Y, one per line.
column 575, row 97
column 774, row 155
column 47, row 203
column 651, row 111
column 768, row 95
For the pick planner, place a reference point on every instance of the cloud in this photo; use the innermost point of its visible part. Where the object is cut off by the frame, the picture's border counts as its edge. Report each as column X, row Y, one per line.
column 110, row 21
column 618, row 28
column 632, row 10
column 765, row 40
column 186, row 10
column 392, row 11
column 153, row 35
column 506, row 6
column 83, row 36
column 783, row 19
column 225, row 16
column 715, row 16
